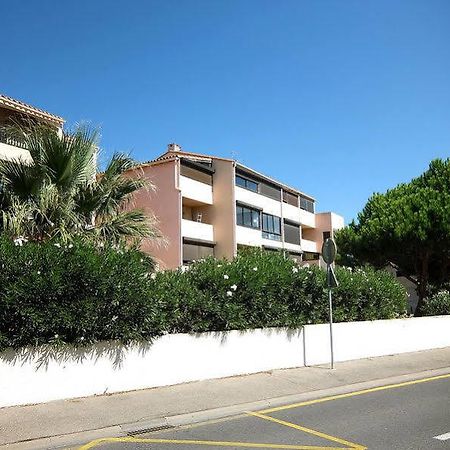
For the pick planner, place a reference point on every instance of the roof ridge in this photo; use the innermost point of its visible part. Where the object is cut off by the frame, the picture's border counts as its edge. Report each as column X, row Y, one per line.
column 18, row 105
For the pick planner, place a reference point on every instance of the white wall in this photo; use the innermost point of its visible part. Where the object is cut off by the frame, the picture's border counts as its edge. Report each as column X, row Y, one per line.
column 309, row 246
column 307, row 218
column 197, row 230
column 196, row 190
column 181, row 358
column 267, row 204
column 10, row 152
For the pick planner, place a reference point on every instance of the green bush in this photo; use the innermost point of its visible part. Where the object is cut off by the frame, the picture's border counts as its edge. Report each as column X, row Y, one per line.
column 79, row 294
column 437, row 304
column 51, row 293
column 264, row 289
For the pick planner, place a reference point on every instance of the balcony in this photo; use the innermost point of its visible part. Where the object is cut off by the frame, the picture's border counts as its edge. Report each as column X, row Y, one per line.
column 291, row 212
column 196, row 190
column 293, row 247
column 5, row 139
column 309, row 246
column 307, row 218
column 197, row 231
column 12, row 148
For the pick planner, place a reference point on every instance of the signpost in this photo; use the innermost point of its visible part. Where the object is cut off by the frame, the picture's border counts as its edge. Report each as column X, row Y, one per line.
column 329, row 255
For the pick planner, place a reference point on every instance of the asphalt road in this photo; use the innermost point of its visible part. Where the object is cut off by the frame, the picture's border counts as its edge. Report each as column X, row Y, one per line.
column 410, row 416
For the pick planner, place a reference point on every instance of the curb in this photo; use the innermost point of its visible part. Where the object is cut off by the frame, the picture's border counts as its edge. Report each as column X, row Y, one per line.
column 121, row 430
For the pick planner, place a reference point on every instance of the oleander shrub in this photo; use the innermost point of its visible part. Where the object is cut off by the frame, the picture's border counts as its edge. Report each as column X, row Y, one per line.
column 80, row 294
column 73, row 293
column 437, row 303
column 264, row 289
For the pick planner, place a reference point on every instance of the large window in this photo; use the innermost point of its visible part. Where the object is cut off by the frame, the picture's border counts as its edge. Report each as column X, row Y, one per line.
column 271, row 227
column 307, row 204
column 291, row 233
column 246, row 183
column 247, row 217
column 193, row 251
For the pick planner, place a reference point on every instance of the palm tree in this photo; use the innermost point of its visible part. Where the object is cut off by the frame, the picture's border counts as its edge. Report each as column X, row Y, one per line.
column 58, row 194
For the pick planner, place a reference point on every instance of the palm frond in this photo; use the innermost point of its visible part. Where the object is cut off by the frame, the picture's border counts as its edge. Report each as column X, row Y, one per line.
column 128, row 225
column 58, row 195
column 19, row 177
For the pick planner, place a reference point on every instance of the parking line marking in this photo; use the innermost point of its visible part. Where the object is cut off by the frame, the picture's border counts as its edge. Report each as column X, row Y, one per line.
column 353, row 394
column 443, row 437
column 211, row 443
column 328, row 437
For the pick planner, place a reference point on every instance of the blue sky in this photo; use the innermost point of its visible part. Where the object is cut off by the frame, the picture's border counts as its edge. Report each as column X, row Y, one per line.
column 337, row 98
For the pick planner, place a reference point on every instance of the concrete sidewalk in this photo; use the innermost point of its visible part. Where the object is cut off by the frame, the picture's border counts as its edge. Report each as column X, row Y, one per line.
column 68, row 422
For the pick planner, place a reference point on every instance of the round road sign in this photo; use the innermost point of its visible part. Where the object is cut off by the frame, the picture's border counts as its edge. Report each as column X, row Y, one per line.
column 329, row 251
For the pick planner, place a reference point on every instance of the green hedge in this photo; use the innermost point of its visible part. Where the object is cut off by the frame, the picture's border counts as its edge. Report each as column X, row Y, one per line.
column 264, row 289
column 79, row 294
column 51, row 293
column 437, row 303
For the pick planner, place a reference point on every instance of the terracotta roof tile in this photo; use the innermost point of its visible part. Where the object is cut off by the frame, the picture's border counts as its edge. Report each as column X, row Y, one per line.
column 17, row 105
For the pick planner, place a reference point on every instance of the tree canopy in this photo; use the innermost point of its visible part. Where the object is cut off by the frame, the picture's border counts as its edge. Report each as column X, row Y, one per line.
column 409, row 226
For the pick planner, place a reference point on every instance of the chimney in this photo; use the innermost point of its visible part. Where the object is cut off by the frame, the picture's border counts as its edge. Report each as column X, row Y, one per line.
column 174, row 148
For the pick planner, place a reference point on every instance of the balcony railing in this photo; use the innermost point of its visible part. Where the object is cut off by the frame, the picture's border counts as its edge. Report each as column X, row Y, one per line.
column 197, row 230
column 196, row 190
column 5, row 139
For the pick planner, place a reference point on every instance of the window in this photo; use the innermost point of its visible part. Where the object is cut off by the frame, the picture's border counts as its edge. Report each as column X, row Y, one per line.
column 271, row 227
column 246, row 183
column 194, row 250
column 291, row 233
column 326, row 235
column 247, row 217
column 307, row 204
column 308, row 256
column 291, row 199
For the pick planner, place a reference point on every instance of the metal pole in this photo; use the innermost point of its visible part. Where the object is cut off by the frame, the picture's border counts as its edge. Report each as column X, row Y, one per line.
column 331, row 318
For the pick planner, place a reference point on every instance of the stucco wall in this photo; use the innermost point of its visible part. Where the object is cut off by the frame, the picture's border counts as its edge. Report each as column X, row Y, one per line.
column 223, row 211
column 165, row 204
column 27, row 377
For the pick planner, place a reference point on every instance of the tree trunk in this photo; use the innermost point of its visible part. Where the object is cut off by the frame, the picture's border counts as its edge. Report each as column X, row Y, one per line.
column 423, row 283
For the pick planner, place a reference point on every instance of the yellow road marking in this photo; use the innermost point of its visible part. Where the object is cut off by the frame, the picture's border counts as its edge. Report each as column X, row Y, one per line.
column 262, row 415
column 211, row 443
column 352, row 394
column 352, row 445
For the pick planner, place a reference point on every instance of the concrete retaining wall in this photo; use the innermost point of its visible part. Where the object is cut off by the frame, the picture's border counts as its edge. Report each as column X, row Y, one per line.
column 42, row 375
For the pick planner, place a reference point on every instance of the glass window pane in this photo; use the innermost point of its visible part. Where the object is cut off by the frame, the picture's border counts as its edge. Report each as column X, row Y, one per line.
column 239, row 220
column 252, row 186
column 247, row 213
column 240, row 181
column 277, row 227
column 255, row 220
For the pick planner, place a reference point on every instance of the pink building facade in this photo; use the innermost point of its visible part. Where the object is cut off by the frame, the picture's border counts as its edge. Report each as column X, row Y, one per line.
column 211, row 206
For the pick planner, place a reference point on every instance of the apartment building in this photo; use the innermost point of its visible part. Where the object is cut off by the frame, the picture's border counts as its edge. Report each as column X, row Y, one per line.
column 206, row 205
column 15, row 111
column 211, row 206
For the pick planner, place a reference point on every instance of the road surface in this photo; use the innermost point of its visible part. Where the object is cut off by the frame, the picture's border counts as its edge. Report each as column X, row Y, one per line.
column 411, row 416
